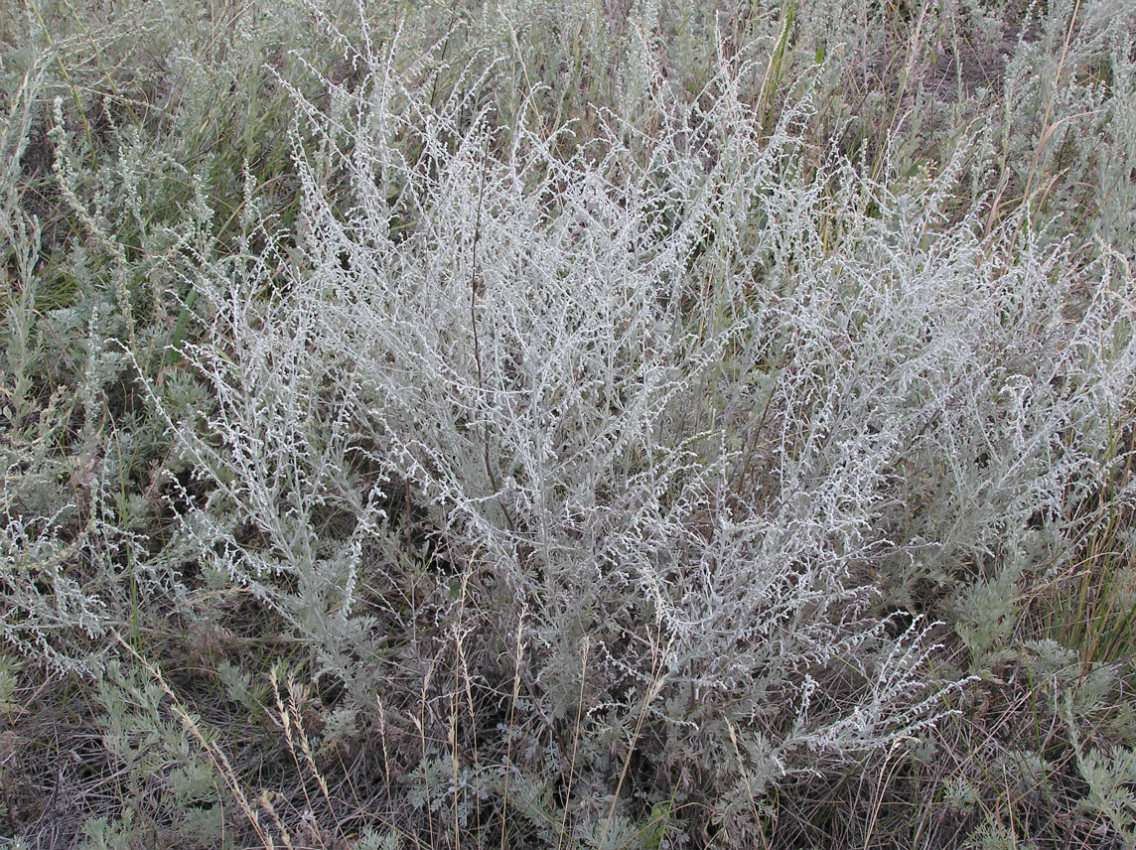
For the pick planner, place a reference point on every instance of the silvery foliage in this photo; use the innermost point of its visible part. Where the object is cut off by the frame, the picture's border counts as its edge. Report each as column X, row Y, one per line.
column 62, row 549
column 675, row 394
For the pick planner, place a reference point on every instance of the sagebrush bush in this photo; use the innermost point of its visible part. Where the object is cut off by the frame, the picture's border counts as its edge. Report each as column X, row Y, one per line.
column 608, row 426
column 660, row 417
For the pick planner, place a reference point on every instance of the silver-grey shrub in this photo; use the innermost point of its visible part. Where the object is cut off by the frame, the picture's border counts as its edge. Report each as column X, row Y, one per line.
column 620, row 446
